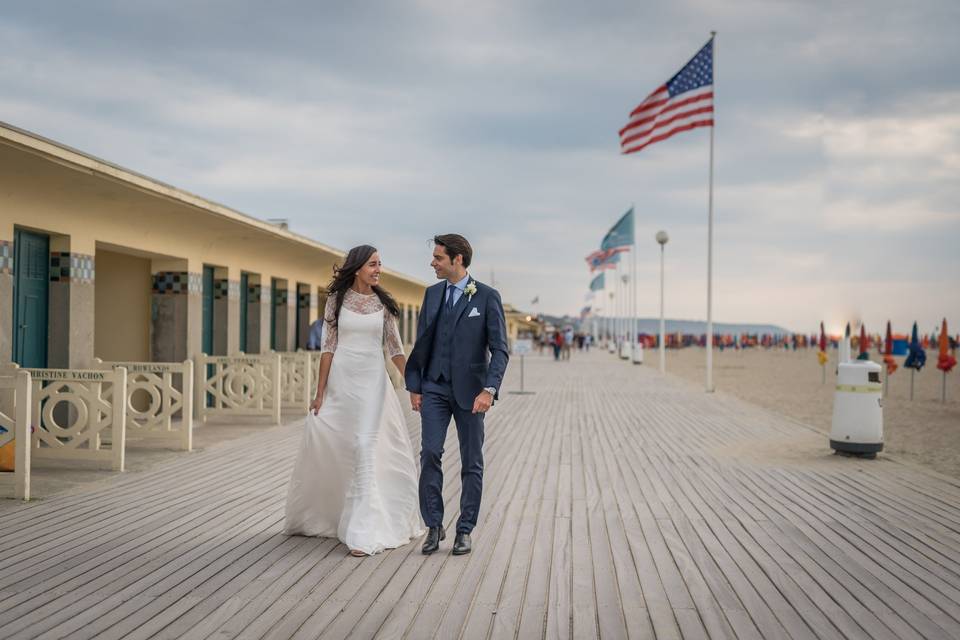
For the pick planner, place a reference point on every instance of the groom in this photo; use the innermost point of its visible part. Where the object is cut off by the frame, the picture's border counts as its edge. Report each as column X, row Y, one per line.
column 449, row 373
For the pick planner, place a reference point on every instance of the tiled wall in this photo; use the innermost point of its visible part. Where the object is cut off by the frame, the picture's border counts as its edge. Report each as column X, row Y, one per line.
column 177, row 283
column 71, row 267
column 6, row 257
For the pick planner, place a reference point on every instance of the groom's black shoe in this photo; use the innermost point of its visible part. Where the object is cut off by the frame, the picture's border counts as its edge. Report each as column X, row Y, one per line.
column 432, row 543
column 461, row 544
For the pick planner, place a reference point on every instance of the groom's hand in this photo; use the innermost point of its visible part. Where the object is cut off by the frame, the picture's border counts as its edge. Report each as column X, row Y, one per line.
column 416, row 401
column 482, row 402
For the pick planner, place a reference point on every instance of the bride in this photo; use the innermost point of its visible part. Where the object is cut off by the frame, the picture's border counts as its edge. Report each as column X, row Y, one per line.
column 355, row 476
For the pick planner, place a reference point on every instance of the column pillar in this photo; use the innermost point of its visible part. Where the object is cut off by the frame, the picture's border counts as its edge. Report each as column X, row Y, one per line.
column 71, row 319
column 266, row 302
column 170, row 310
column 6, row 292
column 194, row 308
column 314, row 300
column 233, row 312
column 290, row 343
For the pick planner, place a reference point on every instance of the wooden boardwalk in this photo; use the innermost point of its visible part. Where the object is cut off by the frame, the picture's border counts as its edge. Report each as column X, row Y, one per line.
column 617, row 503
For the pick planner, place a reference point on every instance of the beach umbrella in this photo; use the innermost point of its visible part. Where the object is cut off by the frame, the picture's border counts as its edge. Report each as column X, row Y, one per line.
column 916, row 358
column 863, row 344
column 888, row 359
column 945, row 360
column 822, row 355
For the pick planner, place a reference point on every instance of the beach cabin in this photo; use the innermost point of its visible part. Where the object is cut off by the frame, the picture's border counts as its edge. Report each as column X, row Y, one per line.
column 97, row 261
column 136, row 306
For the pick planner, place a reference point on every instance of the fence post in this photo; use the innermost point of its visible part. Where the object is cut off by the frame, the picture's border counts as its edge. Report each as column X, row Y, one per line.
column 199, row 395
column 307, row 377
column 275, row 382
column 186, row 437
column 119, row 421
column 23, row 435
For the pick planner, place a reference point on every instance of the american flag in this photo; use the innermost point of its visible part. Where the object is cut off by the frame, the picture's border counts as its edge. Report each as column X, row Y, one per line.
column 605, row 258
column 685, row 102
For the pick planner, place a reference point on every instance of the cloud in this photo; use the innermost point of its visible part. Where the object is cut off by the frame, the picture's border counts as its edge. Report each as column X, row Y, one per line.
column 838, row 141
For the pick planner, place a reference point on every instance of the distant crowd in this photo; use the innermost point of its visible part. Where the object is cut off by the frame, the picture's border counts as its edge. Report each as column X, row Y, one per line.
column 563, row 342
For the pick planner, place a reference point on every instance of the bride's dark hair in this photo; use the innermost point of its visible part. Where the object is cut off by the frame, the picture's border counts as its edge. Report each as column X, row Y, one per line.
column 343, row 277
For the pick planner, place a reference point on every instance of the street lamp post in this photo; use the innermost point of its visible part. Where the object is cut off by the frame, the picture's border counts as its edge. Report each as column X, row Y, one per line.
column 625, row 343
column 662, row 239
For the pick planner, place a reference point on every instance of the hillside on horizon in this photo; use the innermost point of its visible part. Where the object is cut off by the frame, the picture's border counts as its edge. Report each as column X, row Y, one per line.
column 691, row 327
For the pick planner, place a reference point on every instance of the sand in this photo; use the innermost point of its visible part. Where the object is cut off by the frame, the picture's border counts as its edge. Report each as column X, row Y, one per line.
column 924, row 431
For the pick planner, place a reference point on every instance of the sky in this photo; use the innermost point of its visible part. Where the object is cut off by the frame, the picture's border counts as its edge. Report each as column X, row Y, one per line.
column 837, row 143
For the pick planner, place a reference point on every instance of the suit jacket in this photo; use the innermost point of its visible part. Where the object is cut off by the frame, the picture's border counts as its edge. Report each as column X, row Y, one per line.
column 479, row 352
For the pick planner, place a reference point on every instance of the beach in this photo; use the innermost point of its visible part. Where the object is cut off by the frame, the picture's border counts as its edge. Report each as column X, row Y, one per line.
column 924, row 431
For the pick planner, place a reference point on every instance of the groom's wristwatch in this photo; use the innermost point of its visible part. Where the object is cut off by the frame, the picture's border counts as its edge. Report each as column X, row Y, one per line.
column 491, row 390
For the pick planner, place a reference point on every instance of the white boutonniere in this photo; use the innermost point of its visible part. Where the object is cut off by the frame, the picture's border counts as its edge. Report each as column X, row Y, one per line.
column 470, row 289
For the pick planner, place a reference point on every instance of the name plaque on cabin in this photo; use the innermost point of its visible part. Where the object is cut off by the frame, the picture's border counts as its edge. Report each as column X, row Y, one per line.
column 235, row 360
column 77, row 375
column 150, row 367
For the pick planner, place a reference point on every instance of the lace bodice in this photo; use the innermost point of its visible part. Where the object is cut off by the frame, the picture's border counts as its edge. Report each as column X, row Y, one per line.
column 364, row 305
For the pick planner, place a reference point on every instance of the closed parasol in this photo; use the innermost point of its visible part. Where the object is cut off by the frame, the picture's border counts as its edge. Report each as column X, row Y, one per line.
column 945, row 360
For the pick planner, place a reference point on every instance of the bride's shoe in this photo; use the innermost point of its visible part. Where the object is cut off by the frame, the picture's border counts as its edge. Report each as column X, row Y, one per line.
column 356, row 553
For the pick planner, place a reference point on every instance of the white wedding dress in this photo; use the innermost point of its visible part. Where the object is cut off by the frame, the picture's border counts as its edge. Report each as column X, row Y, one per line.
column 355, row 476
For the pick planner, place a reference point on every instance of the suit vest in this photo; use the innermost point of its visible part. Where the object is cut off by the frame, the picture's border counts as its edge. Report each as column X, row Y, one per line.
column 441, row 351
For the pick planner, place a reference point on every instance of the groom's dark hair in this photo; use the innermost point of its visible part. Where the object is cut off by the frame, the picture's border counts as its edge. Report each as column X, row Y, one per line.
column 455, row 244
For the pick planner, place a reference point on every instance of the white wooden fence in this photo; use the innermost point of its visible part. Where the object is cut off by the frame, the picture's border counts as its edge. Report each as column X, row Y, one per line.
column 153, row 399
column 15, row 391
column 296, row 374
column 233, row 386
column 90, row 404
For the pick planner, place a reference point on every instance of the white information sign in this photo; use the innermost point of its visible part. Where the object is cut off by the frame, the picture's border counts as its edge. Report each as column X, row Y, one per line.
column 522, row 346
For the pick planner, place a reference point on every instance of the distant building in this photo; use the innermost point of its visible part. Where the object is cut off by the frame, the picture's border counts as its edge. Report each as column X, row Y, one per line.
column 520, row 324
column 99, row 261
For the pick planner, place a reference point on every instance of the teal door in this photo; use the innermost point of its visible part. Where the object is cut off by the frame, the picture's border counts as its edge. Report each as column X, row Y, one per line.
column 31, row 264
column 207, row 341
column 274, row 301
column 244, row 281
column 207, row 338
column 299, row 335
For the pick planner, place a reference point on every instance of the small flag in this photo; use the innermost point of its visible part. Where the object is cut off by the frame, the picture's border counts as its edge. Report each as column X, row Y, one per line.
column 604, row 259
column 620, row 234
column 685, row 102
column 597, row 283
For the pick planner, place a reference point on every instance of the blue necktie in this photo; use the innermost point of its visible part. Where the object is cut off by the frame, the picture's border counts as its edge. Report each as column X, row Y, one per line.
column 450, row 289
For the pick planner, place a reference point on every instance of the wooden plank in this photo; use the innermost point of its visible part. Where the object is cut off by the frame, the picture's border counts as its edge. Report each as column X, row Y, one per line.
column 616, row 505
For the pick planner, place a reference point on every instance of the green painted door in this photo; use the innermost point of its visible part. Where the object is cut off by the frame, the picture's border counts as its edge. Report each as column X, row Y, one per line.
column 298, row 333
column 244, row 281
column 274, row 301
column 207, row 342
column 31, row 299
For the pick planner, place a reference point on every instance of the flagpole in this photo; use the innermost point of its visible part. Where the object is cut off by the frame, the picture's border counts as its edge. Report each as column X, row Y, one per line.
column 619, row 309
column 634, row 348
column 713, row 35
column 619, row 286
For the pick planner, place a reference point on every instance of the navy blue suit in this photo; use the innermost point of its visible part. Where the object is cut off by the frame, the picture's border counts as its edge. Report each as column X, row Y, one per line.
column 460, row 350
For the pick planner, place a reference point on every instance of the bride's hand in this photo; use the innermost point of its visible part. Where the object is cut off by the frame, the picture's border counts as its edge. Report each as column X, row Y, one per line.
column 316, row 404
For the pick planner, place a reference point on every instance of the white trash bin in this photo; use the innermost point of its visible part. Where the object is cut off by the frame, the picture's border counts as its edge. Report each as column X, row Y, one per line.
column 624, row 350
column 638, row 353
column 857, row 427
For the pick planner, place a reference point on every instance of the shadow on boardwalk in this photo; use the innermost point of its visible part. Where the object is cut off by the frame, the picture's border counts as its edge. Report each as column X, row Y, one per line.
column 617, row 504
